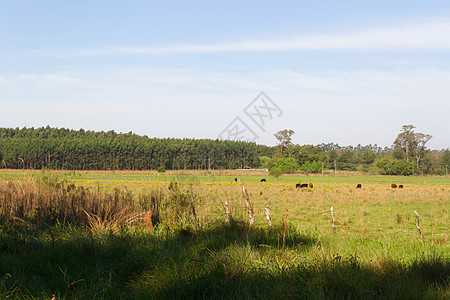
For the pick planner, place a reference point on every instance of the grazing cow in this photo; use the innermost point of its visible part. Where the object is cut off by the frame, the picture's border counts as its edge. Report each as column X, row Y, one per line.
column 400, row 186
column 263, row 180
column 310, row 185
column 301, row 185
column 359, row 185
column 394, row 186
column 235, row 180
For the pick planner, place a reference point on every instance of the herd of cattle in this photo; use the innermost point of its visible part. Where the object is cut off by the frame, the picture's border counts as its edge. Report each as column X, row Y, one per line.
column 358, row 186
column 310, row 185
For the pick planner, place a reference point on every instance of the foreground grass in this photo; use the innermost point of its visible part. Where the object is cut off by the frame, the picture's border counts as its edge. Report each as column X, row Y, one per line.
column 92, row 239
column 218, row 262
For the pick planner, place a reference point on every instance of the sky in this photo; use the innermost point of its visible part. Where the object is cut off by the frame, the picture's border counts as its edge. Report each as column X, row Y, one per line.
column 346, row 72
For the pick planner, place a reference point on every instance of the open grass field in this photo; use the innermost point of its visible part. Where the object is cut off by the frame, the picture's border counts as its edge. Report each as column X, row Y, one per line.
column 144, row 235
column 230, row 175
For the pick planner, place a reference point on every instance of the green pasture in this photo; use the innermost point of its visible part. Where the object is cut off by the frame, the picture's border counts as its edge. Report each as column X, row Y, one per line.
column 243, row 176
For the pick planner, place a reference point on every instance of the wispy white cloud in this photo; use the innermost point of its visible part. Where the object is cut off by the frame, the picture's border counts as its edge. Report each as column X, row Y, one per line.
column 435, row 35
column 47, row 80
column 4, row 81
column 143, row 84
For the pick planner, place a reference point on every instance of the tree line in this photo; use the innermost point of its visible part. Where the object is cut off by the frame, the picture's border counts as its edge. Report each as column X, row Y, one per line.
column 54, row 148
column 60, row 148
column 408, row 155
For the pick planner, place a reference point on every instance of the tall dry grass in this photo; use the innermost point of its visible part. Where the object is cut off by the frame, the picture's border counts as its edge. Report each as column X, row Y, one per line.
column 49, row 199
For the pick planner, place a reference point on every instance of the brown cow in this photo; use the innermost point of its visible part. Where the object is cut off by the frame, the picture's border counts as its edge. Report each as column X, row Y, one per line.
column 310, row 185
column 394, row 186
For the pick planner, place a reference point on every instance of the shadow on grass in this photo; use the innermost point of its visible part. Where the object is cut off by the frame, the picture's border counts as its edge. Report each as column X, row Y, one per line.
column 334, row 280
column 220, row 261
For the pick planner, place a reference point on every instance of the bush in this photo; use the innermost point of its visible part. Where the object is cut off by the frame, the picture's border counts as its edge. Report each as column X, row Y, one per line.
column 264, row 161
column 370, row 169
column 312, row 167
column 392, row 166
column 161, row 169
column 283, row 165
column 276, row 172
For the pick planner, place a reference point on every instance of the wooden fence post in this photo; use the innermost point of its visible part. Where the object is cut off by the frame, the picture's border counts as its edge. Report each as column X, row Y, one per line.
column 269, row 219
column 251, row 215
column 285, row 228
column 333, row 223
column 417, row 224
column 148, row 220
column 128, row 195
column 228, row 211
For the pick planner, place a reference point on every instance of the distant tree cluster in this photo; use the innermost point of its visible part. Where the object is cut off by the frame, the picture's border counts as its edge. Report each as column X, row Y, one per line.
column 54, row 148
column 407, row 156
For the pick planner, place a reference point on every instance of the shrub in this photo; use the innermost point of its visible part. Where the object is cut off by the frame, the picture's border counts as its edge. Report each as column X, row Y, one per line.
column 278, row 166
column 392, row 166
column 264, row 161
column 312, row 167
column 275, row 172
column 161, row 169
column 371, row 169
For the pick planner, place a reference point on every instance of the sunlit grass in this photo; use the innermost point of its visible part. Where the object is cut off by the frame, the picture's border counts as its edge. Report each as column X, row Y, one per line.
column 375, row 212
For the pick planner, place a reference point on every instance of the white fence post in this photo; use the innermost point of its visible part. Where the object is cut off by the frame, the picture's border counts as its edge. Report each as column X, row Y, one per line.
column 269, row 219
column 333, row 223
column 251, row 215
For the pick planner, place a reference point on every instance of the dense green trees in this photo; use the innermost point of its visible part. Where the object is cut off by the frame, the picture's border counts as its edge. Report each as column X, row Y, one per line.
column 88, row 150
column 407, row 156
column 67, row 149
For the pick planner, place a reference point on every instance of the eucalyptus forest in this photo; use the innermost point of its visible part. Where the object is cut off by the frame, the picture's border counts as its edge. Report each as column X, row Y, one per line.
column 67, row 149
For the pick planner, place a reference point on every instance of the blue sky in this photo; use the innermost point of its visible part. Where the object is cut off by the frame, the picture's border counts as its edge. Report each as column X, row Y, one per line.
column 348, row 72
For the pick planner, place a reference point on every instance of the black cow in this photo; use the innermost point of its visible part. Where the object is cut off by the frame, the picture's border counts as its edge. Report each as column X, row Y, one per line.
column 400, row 186
column 263, row 180
column 359, row 185
column 301, row 185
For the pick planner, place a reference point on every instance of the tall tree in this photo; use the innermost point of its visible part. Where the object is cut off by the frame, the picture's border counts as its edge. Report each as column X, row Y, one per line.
column 405, row 143
column 284, row 138
column 446, row 160
column 422, row 139
column 410, row 145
